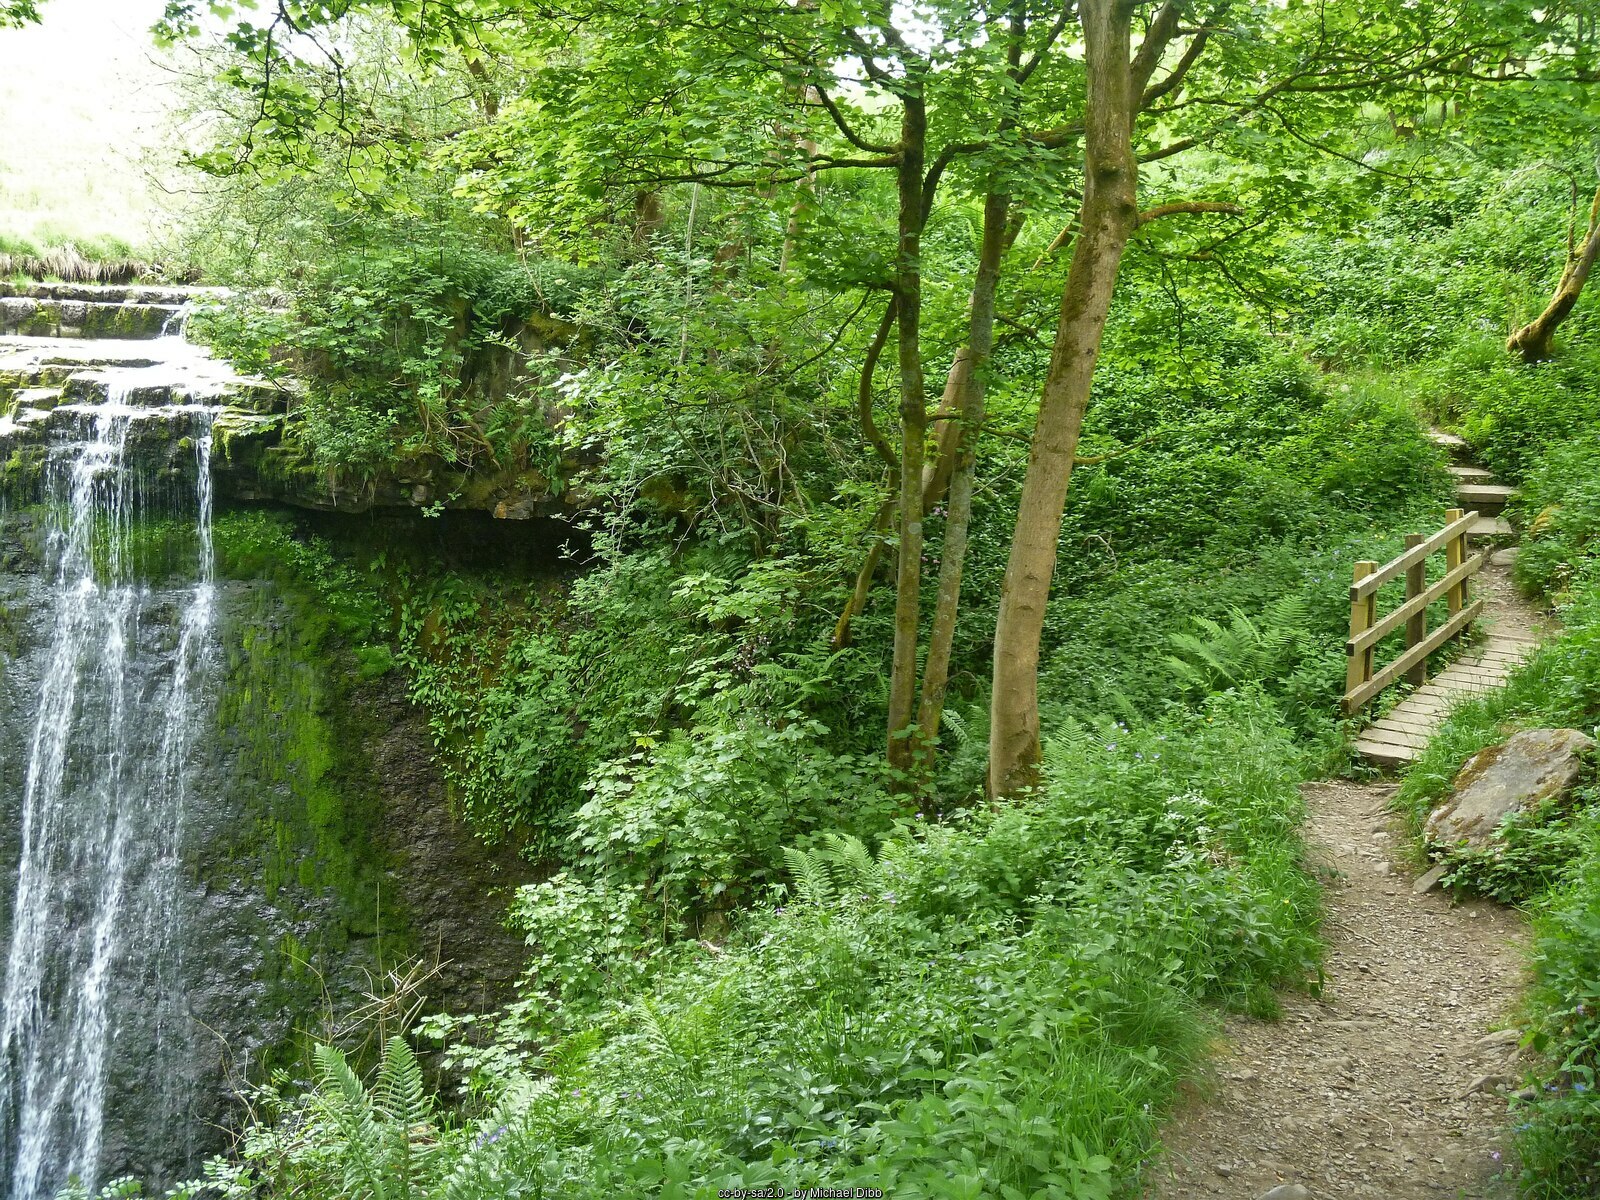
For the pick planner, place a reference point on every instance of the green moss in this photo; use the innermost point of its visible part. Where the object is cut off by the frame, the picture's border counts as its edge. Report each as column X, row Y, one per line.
column 293, row 734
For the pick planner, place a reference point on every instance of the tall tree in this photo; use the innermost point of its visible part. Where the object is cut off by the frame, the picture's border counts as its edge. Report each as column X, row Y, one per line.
column 1280, row 68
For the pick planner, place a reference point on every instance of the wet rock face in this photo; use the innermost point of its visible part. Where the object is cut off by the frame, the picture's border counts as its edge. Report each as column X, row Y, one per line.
column 451, row 888
column 319, row 849
column 1532, row 768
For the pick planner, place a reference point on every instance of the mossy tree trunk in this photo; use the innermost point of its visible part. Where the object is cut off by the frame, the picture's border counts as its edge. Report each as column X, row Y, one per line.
column 913, row 427
column 1534, row 341
column 968, row 414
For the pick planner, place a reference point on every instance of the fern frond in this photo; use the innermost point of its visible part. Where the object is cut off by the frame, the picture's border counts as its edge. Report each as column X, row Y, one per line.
column 359, row 1139
column 810, row 876
column 854, row 864
column 959, row 727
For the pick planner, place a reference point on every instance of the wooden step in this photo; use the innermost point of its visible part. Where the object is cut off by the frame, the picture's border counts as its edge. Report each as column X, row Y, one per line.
column 1488, row 529
column 1385, row 755
column 1455, row 447
column 1487, row 498
column 1470, row 474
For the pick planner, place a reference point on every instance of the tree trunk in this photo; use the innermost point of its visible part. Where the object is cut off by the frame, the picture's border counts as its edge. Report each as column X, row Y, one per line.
column 1533, row 340
column 806, row 190
column 1108, row 217
column 970, row 409
column 913, row 428
column 947, row 421
column 880, row 445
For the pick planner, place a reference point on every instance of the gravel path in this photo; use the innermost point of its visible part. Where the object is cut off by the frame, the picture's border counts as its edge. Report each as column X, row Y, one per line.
column 1377, row 1090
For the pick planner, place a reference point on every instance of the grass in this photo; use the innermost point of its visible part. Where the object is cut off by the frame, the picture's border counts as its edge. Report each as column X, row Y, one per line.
column 83, row 107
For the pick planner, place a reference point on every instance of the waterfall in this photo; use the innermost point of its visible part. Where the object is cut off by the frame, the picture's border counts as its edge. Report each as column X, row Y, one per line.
column 105, row 798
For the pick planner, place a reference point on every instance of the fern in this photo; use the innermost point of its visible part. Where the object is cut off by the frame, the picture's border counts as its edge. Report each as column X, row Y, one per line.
column 1216, row 655
column 960, row 728
column 853, row 864
column 358, row 1138
column 811, row 879
column 401, row 1097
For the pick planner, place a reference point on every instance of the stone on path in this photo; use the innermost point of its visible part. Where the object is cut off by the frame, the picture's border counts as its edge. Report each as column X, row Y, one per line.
column 1518, row 775
column 1429, row 879
column 1288, row 1191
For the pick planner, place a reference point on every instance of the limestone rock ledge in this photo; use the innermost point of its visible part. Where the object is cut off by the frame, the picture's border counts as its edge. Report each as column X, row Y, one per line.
column 51, row 384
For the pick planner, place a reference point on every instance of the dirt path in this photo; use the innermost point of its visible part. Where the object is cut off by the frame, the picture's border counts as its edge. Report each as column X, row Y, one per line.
column 1368, row 1092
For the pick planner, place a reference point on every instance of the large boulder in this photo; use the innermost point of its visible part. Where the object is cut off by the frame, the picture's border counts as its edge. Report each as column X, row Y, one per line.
column 1519, row 775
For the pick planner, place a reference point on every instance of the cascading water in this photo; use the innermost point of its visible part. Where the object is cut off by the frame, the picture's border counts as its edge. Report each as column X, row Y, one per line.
column 105, row 793
column 210, row 831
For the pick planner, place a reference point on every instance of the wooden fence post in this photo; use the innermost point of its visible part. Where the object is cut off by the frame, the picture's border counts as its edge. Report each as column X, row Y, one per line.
column 1454, row 555
column 1363, row 612
column 1417, row 625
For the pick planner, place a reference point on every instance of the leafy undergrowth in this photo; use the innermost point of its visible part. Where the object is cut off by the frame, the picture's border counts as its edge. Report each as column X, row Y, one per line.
column 994, row 1001
column 999, row 1005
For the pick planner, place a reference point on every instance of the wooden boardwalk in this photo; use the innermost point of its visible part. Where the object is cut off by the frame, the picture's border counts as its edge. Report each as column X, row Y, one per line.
column 1399, row 737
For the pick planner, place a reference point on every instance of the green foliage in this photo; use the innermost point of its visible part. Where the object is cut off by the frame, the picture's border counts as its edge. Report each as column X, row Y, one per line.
column 399, row 342
column 1560, row 512
column 983, row 1000
column 1218, row 656
column 993, row 1004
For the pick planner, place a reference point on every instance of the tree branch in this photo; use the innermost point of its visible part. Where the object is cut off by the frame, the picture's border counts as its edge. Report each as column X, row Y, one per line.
column 869, row 365
column 1188, row 206
column 850, row 135
column 1175, row 76
column 1163, row 28
column 1067, row 10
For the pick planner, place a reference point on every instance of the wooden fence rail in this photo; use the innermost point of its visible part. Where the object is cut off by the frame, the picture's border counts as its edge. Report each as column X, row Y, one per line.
column 1362, row 680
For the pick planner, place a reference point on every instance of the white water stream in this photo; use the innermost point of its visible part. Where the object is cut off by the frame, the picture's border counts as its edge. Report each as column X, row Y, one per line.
column 105, row 793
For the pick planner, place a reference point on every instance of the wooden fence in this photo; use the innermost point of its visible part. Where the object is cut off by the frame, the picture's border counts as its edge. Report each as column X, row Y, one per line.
column 1362, row 681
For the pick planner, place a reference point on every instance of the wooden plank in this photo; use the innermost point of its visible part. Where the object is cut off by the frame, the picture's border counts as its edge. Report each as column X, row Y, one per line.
column 1417, row 620
column 1491, row 672
column 1384, row 754
column 1425, row 706
column 1515, row 653
column 1393, row 671
column 1415, row 605
column 1371, row 583
column 1381, row 740
column 1408, row 723
column 1455, row 553
column 1456, row 676
column 1476, row 673
column 1522, row 635
column 1519, row 641
column 1485, row 493
column 1396, row 737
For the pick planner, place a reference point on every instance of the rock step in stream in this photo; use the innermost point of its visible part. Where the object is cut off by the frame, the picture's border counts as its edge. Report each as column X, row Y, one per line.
column 62, row 310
